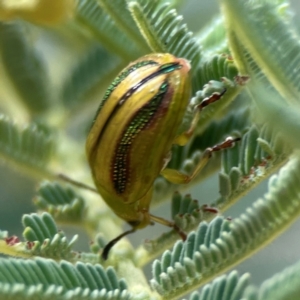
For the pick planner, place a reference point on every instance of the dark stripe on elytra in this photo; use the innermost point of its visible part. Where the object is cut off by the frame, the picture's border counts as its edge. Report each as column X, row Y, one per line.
column 120, row 166
column 118, row 80
column 139, row 121
column 166, row 68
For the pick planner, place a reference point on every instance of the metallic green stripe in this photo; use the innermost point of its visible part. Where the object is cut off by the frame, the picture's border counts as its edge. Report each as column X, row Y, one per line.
column 118, row 80
column 139, row 121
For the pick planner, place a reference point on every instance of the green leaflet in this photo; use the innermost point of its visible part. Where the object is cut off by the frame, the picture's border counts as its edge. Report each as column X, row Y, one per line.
column 19, row 57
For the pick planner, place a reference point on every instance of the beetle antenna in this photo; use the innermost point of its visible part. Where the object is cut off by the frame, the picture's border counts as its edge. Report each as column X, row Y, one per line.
column 108, row 246
column 76, row 183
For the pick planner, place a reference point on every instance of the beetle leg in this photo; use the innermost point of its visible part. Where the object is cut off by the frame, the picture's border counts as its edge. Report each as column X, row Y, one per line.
column 177, row 177
column 167, row 159
column 169, row 224
column 184, row 137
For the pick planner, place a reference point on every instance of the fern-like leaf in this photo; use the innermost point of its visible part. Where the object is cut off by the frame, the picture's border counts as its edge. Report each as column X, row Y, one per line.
column 29, row 148
column 62, row 203
column 282, row 286
column 94, row 19
column 47, row 279
column 231, row 286
column 267, row 33
column 266, row 69
column 187, row 214
column 19, row 57
column 268, row 102
column 270, row 58
column 164, row 30
column 218, row 246
column 215, row 68
column 259, row 154
column 44, row 239
column 119, row 12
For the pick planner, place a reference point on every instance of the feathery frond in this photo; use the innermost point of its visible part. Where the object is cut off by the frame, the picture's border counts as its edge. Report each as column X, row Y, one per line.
column 29, row 148
column 44, row 239
column 119, row 12
column 226, row 287
column 282, row 286
column 164, row 30
column 47, row 279
column 100, row 25
column 260, row 153
column 273, row 42
column 62, row 203
column 20, row 57
column 218, row 246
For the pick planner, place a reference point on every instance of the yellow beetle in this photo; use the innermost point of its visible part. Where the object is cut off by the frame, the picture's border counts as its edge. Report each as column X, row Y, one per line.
column 131, row 137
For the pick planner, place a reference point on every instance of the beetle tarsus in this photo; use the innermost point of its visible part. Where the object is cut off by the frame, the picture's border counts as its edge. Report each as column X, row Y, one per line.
column 229, row 142
column 211, row 99
column 180, row 232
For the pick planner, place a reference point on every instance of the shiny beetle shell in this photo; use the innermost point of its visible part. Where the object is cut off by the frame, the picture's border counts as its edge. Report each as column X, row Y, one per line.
column 134, row 130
